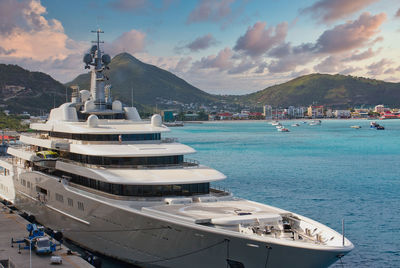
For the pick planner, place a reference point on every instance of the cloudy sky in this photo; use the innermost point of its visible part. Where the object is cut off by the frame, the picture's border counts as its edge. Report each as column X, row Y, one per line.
column 220, row 46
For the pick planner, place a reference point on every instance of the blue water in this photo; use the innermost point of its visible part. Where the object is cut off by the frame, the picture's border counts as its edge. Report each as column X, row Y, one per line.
column 328, row 173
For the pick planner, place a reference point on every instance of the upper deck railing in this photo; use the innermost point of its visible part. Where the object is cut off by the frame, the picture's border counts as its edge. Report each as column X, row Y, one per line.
column 186, row 163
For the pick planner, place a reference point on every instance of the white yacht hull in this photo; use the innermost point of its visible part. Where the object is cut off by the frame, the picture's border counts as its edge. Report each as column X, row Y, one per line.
column 139, row 238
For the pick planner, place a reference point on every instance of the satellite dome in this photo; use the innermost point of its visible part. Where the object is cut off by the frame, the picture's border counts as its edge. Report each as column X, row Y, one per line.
column 156, row 120
column 93, row 49
column 117, row 106
column 85, row 95
column 106, row 59
column 93, row 121
column 87, row 58
column 89, row 105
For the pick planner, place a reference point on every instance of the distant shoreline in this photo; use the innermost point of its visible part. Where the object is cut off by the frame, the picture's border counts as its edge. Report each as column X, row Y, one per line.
column 284, row 120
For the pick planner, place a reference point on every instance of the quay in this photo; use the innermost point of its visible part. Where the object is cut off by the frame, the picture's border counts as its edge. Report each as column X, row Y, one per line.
column 14, row 226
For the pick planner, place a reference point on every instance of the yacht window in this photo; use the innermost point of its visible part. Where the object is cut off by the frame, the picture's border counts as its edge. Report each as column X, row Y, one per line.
column 80, row 206
column 124, row 161
column 41, row 190
column 140, row 190
column 59, row 198
column 70, row 202
column 106, row 137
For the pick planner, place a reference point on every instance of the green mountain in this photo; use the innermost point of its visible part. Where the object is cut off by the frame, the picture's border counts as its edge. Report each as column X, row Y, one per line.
column 33, row 92
column 330, row 90
column 150, row 84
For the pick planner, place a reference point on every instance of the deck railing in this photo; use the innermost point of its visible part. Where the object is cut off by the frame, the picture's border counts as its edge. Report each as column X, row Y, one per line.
column 185, row 163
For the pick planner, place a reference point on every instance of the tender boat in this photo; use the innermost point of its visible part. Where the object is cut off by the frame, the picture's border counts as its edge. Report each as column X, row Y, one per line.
column 355, row 126
column 283, row 129
column 114, row 185
column 315, row 123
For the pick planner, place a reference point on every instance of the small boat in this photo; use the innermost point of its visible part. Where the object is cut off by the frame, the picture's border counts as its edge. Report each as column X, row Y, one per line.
column 356, row 126
column 283, row 129
column 275, row 123
column 315, row 123
column 376, row 126
column 295, row 125
column 279, row 126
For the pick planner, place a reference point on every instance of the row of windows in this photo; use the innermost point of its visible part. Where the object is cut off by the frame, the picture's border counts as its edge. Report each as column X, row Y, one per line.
column 124, row 161
column 106, row 137
column 70, row 201
column 141, row 190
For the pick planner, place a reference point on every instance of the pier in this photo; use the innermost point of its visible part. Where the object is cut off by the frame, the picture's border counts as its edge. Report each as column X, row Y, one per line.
column 14, row 226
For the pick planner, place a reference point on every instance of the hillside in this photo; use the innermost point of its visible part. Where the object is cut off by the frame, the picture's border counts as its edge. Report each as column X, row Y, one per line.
column 33, row 92
column 147, row 81
column 330, row 90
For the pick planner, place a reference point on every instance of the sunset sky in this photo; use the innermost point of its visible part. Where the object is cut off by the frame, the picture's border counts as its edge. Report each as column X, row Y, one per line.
column 223, row 47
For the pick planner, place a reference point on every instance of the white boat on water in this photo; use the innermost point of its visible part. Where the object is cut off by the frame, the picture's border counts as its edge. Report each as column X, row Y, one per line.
column 315, row 123
column 275, row 123
column 112, row 184
column 283, row 129
column 295, row 125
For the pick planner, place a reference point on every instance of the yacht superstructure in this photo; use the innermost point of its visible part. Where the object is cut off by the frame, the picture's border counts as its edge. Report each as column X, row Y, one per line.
column 112, row 184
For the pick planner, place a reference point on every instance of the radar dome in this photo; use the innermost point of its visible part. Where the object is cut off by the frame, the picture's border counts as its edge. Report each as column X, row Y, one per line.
column 85, row 95
column 156, row 120
column 93, row 49
column 87, row 58
column 93, row 121
column 106, row 59
column 117, row 106
column 89, row 105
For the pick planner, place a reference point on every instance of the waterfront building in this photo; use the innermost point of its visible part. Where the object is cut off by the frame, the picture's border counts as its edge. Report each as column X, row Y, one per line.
column 267, row 111
column 380, row 108
column 315, row 111
column 342, row 113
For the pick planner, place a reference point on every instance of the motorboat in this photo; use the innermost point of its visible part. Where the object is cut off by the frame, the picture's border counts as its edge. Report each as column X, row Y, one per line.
column 315, row 123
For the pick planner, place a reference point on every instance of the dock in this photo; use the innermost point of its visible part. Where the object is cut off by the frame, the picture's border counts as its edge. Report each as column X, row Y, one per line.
column 14, row 226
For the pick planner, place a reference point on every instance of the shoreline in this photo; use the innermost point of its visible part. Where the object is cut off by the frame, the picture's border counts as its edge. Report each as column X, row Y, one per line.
column 285, row 120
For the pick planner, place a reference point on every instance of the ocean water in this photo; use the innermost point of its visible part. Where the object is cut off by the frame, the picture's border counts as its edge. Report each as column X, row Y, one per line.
column 328, row 173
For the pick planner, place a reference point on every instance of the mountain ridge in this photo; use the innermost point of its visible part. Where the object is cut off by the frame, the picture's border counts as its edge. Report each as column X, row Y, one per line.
column 147, row 81
column 325, row 89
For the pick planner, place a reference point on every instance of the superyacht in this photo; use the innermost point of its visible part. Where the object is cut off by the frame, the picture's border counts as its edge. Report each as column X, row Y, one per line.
column 111, row 183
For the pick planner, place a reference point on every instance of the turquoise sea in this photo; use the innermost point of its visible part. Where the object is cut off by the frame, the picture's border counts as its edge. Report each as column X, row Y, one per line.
column 328, row 173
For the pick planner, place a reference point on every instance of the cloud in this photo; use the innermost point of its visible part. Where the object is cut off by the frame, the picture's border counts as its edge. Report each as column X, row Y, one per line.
column 182, row 65
column 350, row 35
column 330, row 64
column 221, row 61
column 210, row 10
column 243, row 66
column 377, row 68
column 258, row 40
column 362, row 56
column 132, row 42
column 200, row 43
column 300, row 73
column 28, row 34
column 350, row 70
column 6, row 52
column 331, row 10
column 139, row 6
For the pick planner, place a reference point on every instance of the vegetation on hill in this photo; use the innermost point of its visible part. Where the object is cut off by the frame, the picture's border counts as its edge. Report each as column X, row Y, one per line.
column 150, row 84
column 331, row 90
column 11, row 122
column 33, row 92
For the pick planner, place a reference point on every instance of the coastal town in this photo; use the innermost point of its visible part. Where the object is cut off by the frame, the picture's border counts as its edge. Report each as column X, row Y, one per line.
column 291, row 112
